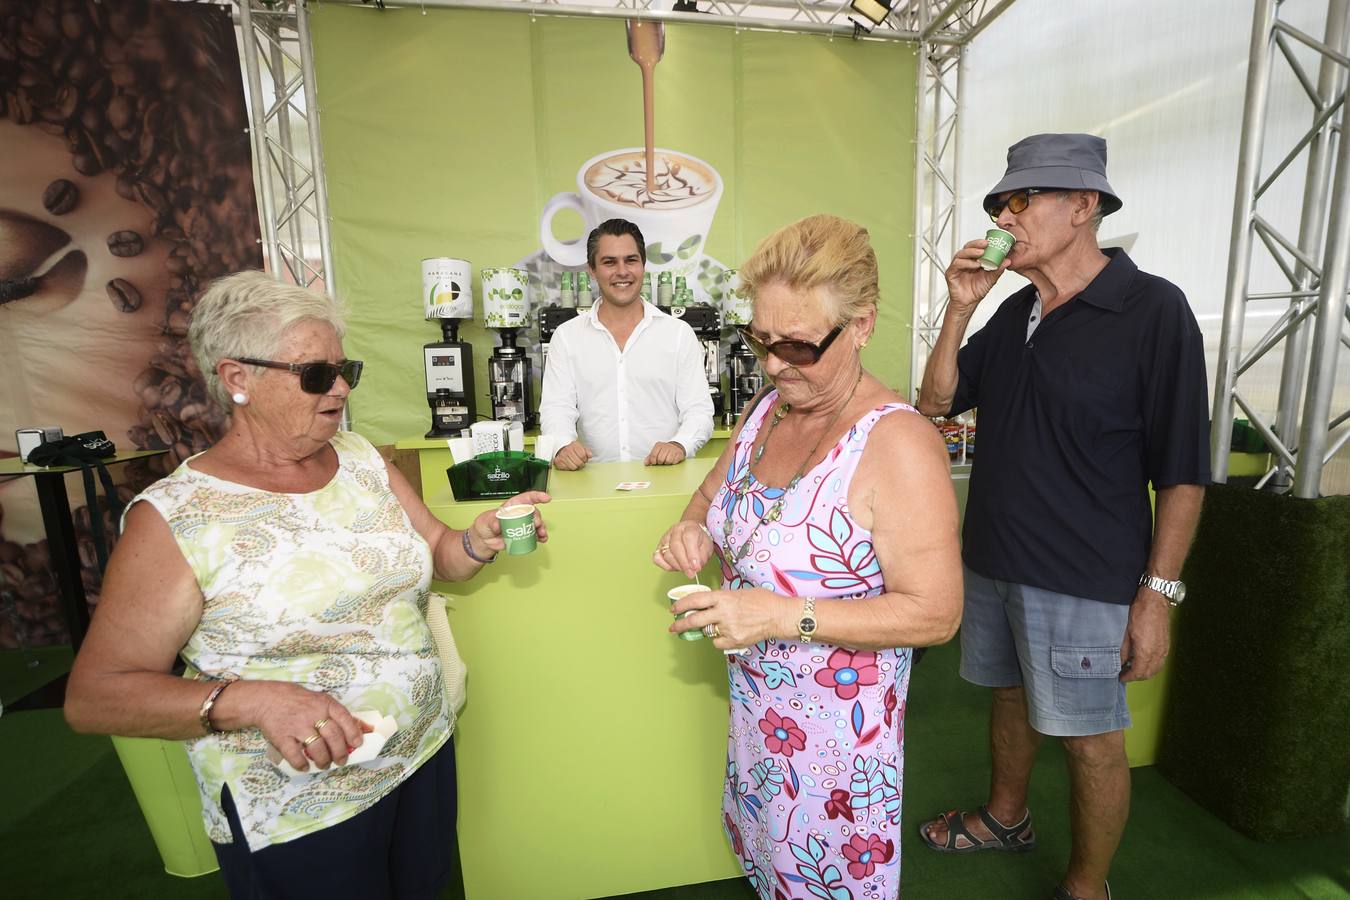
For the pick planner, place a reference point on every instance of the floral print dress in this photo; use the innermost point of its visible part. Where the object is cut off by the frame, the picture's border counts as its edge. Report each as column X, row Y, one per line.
column 815, row 765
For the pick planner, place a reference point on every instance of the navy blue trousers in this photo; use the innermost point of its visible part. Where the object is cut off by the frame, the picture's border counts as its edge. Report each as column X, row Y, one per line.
column 399, row 849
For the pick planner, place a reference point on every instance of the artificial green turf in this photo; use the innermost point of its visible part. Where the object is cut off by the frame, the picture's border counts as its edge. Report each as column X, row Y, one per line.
column 23, row 671
column 1258, row 716
column 69, row 826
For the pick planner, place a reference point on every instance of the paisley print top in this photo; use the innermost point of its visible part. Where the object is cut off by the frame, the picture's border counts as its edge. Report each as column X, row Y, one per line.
column 327, row 590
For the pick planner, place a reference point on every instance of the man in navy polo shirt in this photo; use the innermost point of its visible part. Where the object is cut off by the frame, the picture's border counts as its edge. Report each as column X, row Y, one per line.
column 1090, row 383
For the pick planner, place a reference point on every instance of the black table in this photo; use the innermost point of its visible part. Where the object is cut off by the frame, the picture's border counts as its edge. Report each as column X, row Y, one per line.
column 61, row 542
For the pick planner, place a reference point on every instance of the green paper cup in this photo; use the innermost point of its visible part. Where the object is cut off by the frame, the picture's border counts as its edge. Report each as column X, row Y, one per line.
column 685, row 590
column 1000, row 245
column 517, row 523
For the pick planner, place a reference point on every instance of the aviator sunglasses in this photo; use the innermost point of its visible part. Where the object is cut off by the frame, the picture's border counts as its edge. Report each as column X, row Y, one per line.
column 316, row 377
column 1017, row 201
column 794, row 353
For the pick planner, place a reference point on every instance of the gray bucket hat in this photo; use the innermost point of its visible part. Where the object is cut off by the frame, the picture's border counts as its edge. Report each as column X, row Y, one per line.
column 1071, row 162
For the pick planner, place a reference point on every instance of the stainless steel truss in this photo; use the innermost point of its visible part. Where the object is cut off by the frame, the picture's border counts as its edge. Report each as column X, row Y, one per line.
column 287, row 152
column 1312, row 328
column 945, row 29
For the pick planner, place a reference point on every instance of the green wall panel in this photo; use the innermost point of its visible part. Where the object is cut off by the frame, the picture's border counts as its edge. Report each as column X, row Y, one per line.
column 446, row 131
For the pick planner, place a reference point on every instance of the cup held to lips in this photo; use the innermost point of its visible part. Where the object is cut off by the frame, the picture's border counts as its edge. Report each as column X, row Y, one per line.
column 1000, row 245
column 678, row 593
column 517, row 523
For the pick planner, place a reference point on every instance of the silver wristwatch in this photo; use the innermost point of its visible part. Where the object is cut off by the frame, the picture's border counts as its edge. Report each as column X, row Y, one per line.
column 1174, row 591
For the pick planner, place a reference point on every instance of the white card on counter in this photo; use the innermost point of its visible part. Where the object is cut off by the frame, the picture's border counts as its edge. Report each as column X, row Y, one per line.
column 371, row 744
column 632, row 485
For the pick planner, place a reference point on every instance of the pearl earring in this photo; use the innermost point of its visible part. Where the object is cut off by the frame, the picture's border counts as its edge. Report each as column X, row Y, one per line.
column 240, row 398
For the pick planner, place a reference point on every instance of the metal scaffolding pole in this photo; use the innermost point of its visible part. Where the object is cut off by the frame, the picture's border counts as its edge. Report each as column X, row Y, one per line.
column 1301, row 446
column 1329, row 95
column 292, row 196
column 1331, row 306
column 945, row 29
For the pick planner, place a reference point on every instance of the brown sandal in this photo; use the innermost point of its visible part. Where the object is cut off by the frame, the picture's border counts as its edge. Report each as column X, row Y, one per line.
column 1017, row 838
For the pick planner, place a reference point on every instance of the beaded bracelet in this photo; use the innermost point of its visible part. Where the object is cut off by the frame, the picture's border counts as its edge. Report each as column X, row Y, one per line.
column 468, row 549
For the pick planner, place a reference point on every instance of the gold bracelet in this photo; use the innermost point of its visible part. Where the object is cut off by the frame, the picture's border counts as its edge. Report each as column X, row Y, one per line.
column 204, row 714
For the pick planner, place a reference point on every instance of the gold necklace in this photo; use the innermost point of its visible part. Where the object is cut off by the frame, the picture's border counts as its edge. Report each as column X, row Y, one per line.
column 775, row 512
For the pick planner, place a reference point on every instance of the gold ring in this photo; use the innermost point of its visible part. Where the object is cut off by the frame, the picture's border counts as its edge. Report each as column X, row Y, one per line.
column 717, row 632
column 309, row 740
column 318, row 726
column 663, row 548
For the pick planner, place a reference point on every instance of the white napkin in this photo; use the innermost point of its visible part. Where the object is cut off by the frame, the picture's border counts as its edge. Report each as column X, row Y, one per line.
column 371, row 744
column 545, row 446
column 461, row 449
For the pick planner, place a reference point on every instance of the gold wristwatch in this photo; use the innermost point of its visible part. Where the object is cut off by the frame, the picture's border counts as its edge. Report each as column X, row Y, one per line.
column 806, row 625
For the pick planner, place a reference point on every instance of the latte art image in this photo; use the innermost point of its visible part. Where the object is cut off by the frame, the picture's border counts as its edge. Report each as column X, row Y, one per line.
column 678, row 181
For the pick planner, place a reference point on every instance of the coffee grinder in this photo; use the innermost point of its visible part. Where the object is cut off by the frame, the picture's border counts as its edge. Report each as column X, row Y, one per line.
column 510, row 383
column 447, row 297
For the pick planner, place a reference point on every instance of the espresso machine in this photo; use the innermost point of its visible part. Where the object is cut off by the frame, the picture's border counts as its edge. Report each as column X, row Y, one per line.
column 447, row 297
column 744, row 378
column 707, row 325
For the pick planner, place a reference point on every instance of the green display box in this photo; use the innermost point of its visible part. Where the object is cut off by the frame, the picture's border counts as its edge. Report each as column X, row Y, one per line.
column 492, row 476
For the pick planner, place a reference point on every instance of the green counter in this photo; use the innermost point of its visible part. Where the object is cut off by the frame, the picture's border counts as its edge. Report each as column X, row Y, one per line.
column 592, row 748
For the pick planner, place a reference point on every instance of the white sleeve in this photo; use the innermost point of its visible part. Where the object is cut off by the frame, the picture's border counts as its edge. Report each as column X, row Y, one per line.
column 558, row 409
column 692, row 400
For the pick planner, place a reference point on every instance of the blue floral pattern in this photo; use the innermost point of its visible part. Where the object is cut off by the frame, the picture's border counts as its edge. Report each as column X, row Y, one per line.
column 815, row 754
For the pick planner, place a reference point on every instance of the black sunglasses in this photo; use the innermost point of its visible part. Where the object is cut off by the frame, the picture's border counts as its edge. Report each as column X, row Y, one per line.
column 315, row 378
column 1017, row 201
column 794, row 353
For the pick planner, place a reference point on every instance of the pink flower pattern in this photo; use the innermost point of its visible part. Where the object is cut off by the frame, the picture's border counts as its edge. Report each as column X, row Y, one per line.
column 846, row 670
column 781, row 734
column 865, row 854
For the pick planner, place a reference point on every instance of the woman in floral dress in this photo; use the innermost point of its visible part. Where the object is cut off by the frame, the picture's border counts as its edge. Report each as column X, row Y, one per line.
column 833, row 516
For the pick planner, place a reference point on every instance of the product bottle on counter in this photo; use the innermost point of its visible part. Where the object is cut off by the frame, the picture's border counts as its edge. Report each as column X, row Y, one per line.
column 567, row 297
column 646, row 292
column 680, row 285
column 584, row 300
column 665, row 292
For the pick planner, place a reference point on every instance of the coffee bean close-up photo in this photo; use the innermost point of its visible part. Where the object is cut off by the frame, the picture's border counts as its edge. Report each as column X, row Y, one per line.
column 127, row 187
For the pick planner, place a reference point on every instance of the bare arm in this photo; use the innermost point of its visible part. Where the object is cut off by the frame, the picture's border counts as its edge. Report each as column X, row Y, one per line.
column 967, row 285
column 121, row 681
column 449, row 559
column 1147, row 637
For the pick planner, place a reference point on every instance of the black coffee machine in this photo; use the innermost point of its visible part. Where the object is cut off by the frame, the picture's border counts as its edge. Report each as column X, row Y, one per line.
column 448, row 365
column 707, row 325
column 744, row 378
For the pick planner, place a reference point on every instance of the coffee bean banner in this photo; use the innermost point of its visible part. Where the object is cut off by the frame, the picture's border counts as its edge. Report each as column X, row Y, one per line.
column 126, row 188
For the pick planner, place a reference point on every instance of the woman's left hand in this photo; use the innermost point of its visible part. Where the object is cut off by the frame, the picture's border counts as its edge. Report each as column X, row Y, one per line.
column 736, row 619
column 486, row 529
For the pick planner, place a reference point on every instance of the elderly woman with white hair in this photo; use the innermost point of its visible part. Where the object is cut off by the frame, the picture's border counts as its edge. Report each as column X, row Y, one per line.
column 289, row 566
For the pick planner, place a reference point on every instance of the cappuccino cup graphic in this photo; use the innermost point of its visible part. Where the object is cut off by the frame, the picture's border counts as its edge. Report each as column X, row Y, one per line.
column 674, row 218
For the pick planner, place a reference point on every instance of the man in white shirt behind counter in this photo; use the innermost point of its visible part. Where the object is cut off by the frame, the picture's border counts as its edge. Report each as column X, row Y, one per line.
column 624, row 380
